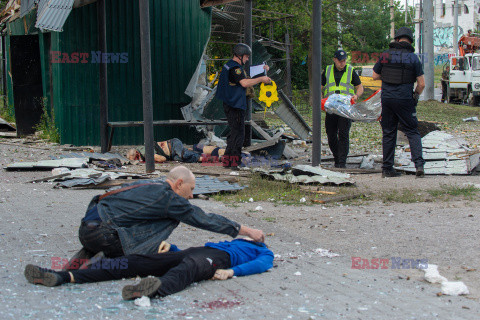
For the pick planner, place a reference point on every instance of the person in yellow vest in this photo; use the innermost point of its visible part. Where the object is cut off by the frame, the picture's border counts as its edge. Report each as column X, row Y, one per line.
column 341, row 79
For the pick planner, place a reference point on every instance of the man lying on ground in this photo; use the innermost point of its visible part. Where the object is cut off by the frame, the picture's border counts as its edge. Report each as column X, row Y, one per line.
column 174, row 149
column 136, row 218
column 175, row 270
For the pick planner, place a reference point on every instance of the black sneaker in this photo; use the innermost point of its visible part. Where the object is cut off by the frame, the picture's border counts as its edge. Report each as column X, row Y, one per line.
column 78, row 260
column 390, row 173
column 420, row 173
column 46, row 277
column 147, row 287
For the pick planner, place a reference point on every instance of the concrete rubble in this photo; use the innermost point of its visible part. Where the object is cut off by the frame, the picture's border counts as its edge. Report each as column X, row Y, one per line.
column 443, row 153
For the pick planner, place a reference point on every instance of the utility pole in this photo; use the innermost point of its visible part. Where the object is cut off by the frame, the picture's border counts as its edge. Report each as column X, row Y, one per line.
column 420, row 38
column 339, row 27
column 455, row 27
column 317, row 83
column 392, row 20
column 428, row 36
column 248, row 40
column 406, row 10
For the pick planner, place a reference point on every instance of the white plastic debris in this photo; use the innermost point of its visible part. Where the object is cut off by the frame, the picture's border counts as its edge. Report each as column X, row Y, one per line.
column 326, row 253
column 143, row 302
column 367, row 162
column 234, row 173
column 251, row 199
column 298, row 273
column 432, row 275
column 454, row 288
column 299, row 143
column 470, row 119
column 57, row 171
column 258, row 208
column 303, row 199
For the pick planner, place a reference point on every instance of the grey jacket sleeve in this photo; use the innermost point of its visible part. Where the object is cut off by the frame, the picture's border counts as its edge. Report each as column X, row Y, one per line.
column 181, row 210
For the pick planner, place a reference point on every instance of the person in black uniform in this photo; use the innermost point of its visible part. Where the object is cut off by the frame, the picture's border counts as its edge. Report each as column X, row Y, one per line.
column 399, row 68
column 340, row 78
column 232, row 91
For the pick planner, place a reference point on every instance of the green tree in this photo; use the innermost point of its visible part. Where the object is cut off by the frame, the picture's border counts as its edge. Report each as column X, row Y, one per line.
column 359, row 25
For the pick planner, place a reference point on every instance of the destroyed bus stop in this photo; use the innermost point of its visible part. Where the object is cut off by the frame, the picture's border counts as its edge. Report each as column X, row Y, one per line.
column 75, row 102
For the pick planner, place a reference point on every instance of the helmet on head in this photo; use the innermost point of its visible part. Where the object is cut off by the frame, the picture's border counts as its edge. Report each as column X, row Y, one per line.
column 404, row 32
column 242, row 49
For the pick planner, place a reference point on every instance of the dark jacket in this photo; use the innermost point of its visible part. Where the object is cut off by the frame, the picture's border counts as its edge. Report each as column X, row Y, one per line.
column 234, row 95
column 145, row 216
column 399, row 55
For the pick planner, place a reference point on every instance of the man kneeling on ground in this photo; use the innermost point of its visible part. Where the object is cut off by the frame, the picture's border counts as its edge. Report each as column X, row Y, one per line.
column 138, row 217
column 172, row 271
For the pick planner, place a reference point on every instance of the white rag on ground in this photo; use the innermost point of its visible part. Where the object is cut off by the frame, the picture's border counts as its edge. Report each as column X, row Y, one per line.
column 432, row 275
column 143, row 302
column 454, row 288
column 451, row 288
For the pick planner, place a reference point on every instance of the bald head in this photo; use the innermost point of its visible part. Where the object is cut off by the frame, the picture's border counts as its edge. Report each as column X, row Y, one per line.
column 182, row 181
column 180, row 172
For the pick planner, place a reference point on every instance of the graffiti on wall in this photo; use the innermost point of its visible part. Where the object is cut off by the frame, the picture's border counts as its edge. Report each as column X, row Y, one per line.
column 443, row 37
column 441, row 59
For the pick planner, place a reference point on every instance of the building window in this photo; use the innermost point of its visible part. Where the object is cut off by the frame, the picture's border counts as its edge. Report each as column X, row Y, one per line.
column 465, row 9
column 453, row 9
column 444, row 9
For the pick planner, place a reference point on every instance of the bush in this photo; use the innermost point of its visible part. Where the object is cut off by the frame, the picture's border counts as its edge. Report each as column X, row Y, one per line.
column 46, row 127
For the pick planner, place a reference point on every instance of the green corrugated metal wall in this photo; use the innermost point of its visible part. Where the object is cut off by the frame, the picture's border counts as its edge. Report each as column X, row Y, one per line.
column 179, row 32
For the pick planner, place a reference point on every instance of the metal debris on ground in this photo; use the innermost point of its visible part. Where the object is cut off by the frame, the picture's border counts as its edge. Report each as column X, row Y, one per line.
column 289, row 114
column 287, row 151
column 95, row 156
column 209, row 185
column 91, row 177
column 306, row 174
column 71, row 163
column 443, row 153
column 5, row 126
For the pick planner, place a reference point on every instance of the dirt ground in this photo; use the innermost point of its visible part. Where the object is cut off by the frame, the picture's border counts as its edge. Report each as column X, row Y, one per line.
column 447, row 233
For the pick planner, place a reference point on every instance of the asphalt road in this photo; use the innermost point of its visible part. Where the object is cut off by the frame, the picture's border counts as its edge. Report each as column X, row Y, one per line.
column 39, row 223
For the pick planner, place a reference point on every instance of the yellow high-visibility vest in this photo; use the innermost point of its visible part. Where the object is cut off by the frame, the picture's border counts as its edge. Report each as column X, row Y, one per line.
column 344, row 87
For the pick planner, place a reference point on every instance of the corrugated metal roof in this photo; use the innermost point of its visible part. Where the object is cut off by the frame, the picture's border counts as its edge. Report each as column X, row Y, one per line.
column 26, row 6
column 52, row 14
